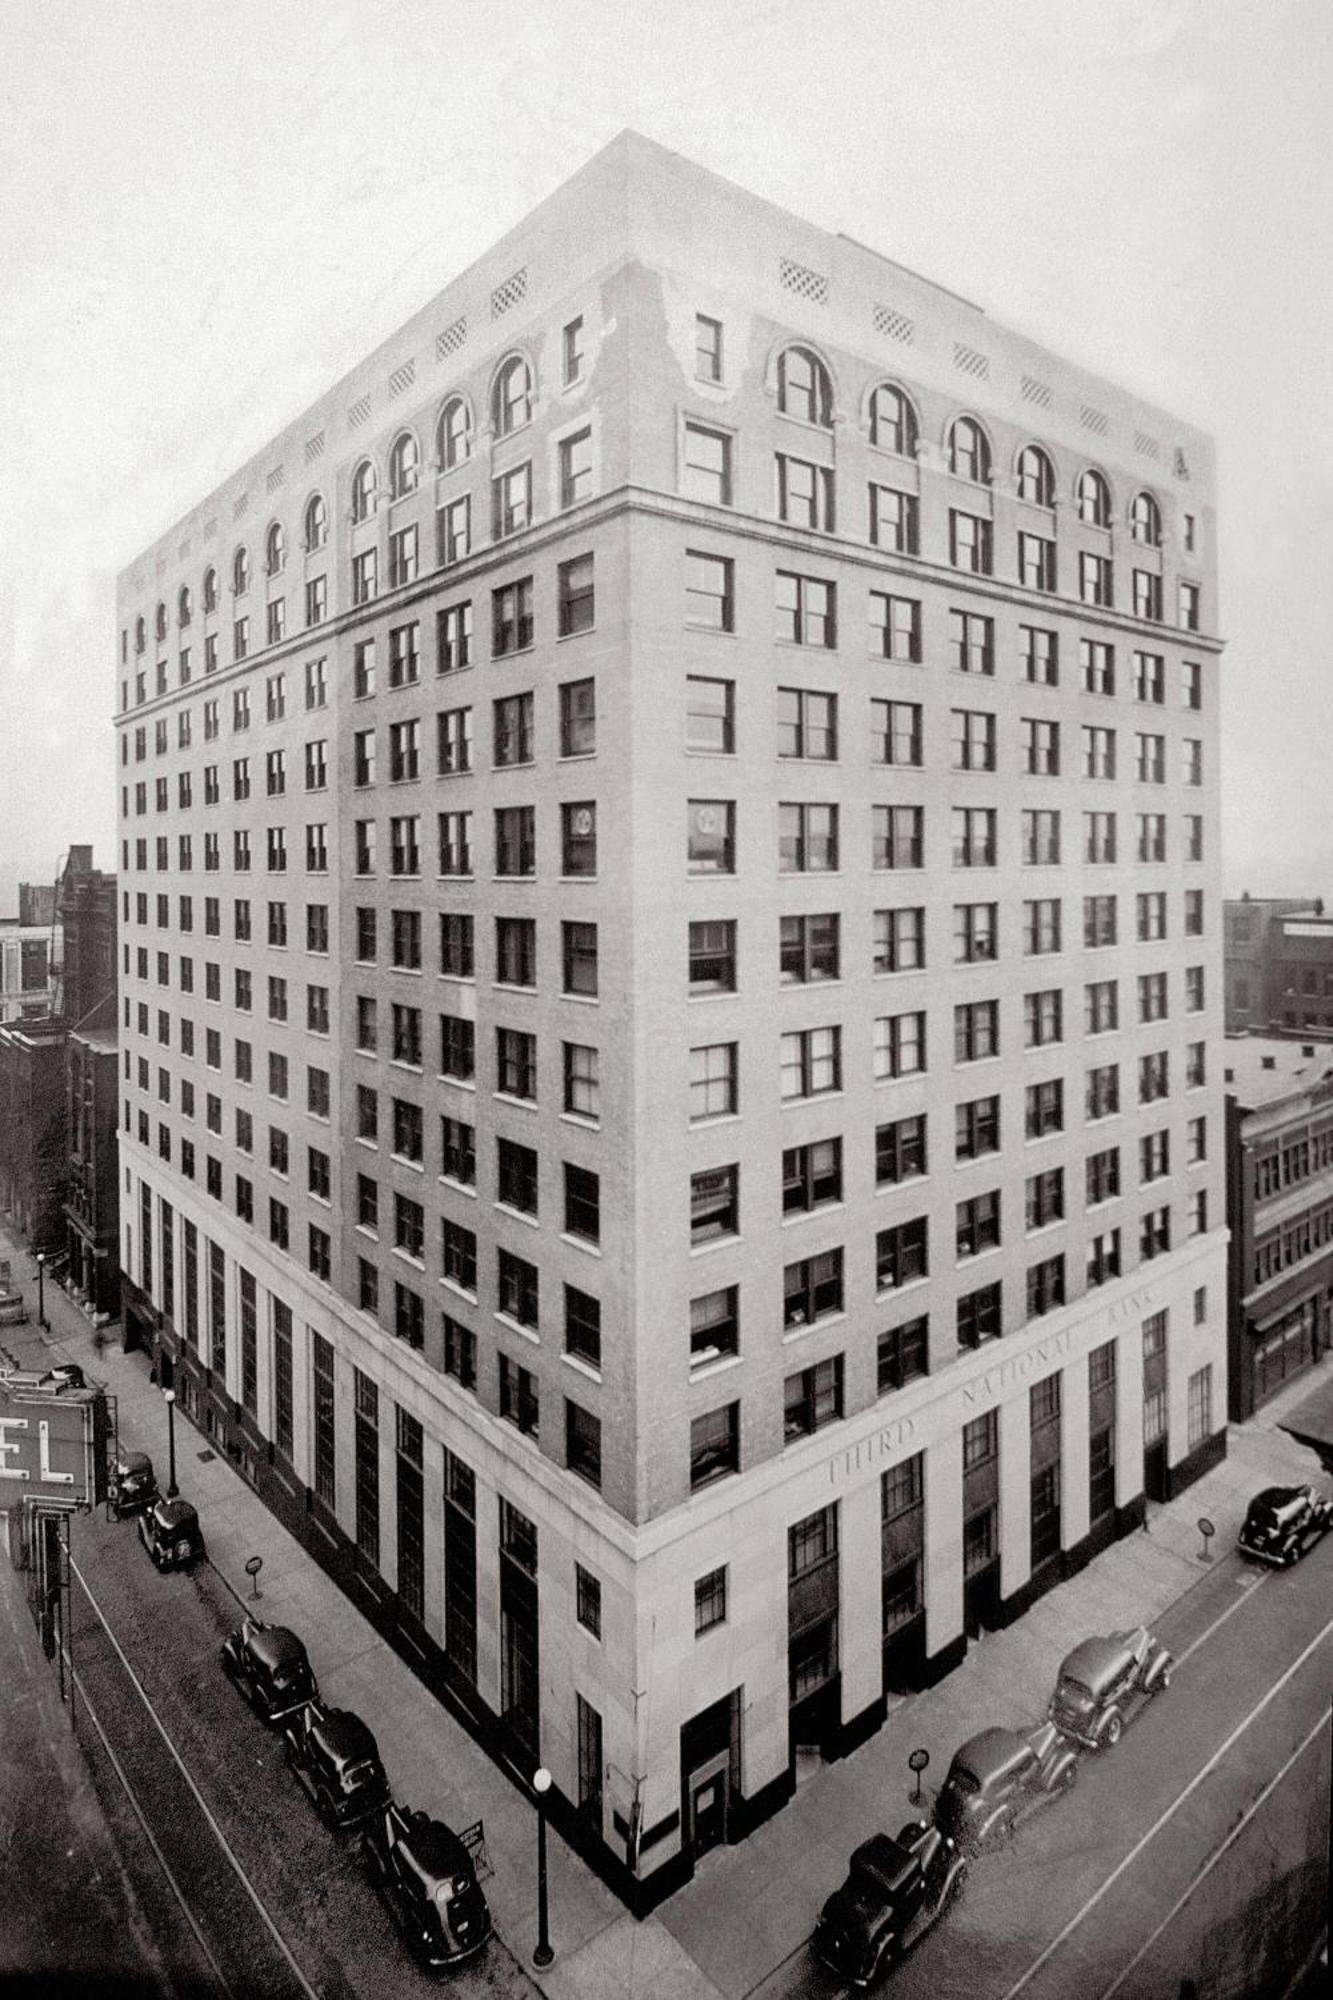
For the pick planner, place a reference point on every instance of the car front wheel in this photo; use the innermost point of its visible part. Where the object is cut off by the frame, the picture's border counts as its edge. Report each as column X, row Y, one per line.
column 1111, row 1734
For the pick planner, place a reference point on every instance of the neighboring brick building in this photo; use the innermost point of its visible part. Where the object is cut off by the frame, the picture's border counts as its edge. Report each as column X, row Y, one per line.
column 27, row 970
column 672, row 986
column 1278, row 966
column 1280, row 1210
column 88, row 930
column 32, row 1130
column 92, row 1237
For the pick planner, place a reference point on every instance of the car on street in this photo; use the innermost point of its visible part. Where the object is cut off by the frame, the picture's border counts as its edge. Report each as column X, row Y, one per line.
column 170, row 1531
column 425, row 1877
column 1283, row 1522
column 1103, row 1681
column 132, row 1485
column 271, row 1668
column 895, row 1890
column 997, row 1777
column 337, row 1764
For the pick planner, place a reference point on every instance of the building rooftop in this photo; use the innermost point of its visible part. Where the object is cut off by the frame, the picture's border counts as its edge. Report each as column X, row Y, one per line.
column 1260, row 1069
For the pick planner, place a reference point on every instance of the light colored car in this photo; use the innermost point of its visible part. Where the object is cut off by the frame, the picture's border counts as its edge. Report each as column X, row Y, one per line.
column 1101, row 1682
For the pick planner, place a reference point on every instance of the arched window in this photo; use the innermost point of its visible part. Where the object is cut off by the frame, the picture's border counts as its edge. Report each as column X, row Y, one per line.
column 805, row 389
column 511, row 398
column 893, row 420
column 160, row 621
column 1036, row 476
column 316, row 522
column 140, row 635
column 183, row 605
column 1094, row 499
column 210, row 590
column 275, row 549
column 1145, row 520
column 363, row 491
column 969, row 450
column 240, row 571
column 403, row 463
column 454, row 438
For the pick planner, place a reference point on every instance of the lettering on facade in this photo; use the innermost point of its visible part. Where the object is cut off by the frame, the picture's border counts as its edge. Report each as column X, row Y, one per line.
column 1129, row 1308
column 882, row 1444
column 1017, row 1368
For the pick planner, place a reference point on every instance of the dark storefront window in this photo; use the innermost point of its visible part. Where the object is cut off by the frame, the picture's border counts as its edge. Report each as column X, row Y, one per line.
column 217, row 1309
column 249, row 1344
column 367, row 1446
column 460, row 1567
column 326, row 1477
column 282, row 1377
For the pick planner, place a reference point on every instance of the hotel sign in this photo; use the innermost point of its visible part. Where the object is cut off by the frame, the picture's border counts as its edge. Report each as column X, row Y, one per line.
column 51, row 1448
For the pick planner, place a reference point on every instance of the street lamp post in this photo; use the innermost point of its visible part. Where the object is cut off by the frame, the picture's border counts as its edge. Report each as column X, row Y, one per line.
column 169, row 1398
column 41, row 1289
column 541, row 1785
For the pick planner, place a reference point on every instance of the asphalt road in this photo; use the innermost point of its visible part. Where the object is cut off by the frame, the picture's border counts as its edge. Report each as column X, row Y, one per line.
column 1204, row 1831
column 282, row 1906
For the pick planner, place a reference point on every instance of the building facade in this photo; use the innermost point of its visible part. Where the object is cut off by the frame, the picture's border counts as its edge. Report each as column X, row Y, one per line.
column 27, row 970
column 1278, row 967
column 1280, row 1211
column 671, row 988
column 32, row 1130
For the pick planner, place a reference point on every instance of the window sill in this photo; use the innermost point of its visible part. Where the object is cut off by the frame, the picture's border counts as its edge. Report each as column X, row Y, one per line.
column 402, row 1160
column 583, row 1243
column 458, row 1291
column 715, row 1364
column 406, row 1257
column 581, row 1367
column 714, row 1243
column 791, row 1334
column 795, row 1215
column 527, row 1333
column 468, row 1083
column 519, row 1103
column 580, row 1121
column 516, row 1214
column 459, row 1187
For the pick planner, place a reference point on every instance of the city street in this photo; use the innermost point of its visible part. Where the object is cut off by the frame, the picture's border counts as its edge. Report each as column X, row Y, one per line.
column 1109, row 1890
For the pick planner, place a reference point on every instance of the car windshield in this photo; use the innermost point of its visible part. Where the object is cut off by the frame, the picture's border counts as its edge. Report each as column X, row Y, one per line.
column 965, row 1780
column 1071, row 1686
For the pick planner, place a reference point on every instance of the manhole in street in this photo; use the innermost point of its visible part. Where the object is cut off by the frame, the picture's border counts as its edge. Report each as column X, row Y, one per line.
column 207, row 1457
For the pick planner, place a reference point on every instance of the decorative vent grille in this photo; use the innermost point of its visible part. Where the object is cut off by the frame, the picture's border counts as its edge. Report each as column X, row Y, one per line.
column 275, row 478
column 183, row 550
column 893, row 324
column 359, row 412
column 1145, row 443
column 402, row 378
column 451, row 339
column 1180, row 465
column 210, row 528
column 1094, row 421
column 509, row 293
column 806, row 284
column 314, row 448
column 1036, row 392
column 970, row 362
column 239, row 506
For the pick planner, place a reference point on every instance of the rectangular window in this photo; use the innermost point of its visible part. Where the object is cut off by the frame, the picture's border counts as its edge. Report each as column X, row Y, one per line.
column 811, row 1062
column 714, row 1326
column 707, row 348
column 977, row 1224
column 809, row 949
column 812, row 1289
column 1044, row 1108
column 715, row 1440
column 575, row 596
column 1041, row 655
column 576, row 467
column 902, row 1254
column 710, row 717
column 811, row 1176
column 895, row 732
column 971, row 643
column 807, row 725
column 511, row 618
column 895, row 520
column 899, row 1045
column 970, row 542
column 972, row 739
column 895, row 626
column 976, row 1030
column 706, row 465
column 710, row 1601
column 899, row 940
column 1041, row 926
column 511, row 501
column 974, row 836
column 710, row 592
column 711, row 837
column 975, row 933
column 453, row 638
column 896, row 837
column 805, row 493
column 805, row 610
column 977, row 1128
column 807, row 840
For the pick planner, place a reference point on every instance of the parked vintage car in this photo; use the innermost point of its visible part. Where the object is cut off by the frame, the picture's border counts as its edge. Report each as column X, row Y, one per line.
column 337, row 1763
column 1102, row 1681
column 132, row 1485
column 270, row 1667
column 997, row 1777
column 895, row 1890
column 426, row 1879
column 170, row 1531
column 1282, row 1522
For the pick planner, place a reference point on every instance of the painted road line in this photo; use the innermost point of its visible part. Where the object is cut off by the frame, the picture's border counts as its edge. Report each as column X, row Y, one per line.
column 1213, row 1859
column 1163, row 1818
column 222, row 1841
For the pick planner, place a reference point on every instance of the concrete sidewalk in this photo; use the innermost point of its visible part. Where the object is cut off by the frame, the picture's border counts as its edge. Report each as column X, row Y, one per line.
column 723, row 1934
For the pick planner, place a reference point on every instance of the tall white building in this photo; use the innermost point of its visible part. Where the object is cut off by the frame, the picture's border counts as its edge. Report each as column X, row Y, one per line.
column 671, row 982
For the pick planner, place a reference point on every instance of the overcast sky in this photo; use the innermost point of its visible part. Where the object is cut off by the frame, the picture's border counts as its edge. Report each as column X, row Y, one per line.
column 209, row 209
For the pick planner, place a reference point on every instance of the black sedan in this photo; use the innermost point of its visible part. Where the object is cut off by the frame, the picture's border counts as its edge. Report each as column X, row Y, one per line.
column 426, row 1879
column 337, row 1764
column 271, row 1668
column 1282, row 1522
column 895, row 1890
column 170, row 1531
